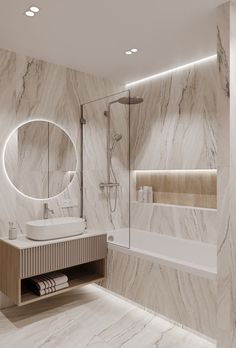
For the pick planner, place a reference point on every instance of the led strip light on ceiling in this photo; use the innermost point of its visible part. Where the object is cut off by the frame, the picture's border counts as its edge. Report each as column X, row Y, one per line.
column 181, row 67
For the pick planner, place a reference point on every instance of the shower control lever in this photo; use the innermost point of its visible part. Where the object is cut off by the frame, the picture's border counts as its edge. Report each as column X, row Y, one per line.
column 102, row 185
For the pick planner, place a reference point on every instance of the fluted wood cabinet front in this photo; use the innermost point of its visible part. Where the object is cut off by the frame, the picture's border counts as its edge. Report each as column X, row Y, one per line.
column 16, row 265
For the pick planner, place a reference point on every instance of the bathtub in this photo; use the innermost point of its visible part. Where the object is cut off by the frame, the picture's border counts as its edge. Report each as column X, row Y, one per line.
column 197, row 258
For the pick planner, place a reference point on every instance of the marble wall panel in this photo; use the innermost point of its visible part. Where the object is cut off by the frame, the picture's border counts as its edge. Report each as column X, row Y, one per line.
column 181, row 222
column 7, row 122
column 185, row 298
column 176, row 124
column 32, row 89
column 176, row 128
column 226, row 106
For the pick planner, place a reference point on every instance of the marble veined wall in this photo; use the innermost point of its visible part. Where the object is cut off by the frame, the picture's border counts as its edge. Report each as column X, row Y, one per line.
column 30, row 89
column 175, row 127
column 181, row 222
column 226, row 111
column 180, row 296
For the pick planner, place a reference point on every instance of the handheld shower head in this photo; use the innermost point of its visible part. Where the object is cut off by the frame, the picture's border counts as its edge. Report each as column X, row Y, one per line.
column 115, row 139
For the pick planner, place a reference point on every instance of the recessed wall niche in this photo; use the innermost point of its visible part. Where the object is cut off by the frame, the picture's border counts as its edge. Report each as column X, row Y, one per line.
column 195, row 188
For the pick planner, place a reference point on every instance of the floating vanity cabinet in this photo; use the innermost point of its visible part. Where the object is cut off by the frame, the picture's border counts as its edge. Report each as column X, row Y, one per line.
column 81, row 258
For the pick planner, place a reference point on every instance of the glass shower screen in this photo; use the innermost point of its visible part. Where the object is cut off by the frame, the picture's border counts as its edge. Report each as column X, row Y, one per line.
column 106, row 166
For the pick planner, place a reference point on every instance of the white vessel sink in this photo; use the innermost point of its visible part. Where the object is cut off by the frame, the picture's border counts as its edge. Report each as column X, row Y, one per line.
column 55, row 228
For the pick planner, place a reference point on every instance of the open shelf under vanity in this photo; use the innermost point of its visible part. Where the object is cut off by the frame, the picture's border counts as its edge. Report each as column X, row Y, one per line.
column 81, row 259
column 77, row 276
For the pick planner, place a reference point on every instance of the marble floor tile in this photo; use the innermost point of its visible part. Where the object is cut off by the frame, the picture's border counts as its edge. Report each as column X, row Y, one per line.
column 5, row 325
column 90, row 317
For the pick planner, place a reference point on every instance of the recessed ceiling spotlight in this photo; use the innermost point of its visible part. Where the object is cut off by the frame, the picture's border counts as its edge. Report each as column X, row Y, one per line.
column 128, row 53
column 29, row 13
column 134, row 50
column 34, row 9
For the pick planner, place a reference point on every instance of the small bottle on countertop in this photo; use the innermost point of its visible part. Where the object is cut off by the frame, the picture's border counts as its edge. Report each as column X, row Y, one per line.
column 12, row 231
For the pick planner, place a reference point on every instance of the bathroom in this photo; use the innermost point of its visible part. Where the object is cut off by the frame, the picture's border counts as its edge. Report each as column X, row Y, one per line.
column 117, row 174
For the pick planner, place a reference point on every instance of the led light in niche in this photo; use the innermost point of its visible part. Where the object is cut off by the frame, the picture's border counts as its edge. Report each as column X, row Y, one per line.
column 128, row 53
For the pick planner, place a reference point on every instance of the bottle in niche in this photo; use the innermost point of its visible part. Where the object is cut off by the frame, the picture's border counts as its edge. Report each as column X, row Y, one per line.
column 140, row 195
column 145, row 194
column 12, row 231
column 148, row 194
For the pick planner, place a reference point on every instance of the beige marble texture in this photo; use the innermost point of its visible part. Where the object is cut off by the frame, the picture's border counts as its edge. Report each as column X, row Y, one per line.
column 90, row 318
column 7, row 122
column 189, row 300
column 181, row 222
column 32, row 89
column 226, row 106
column 173, row 108
column 175, row 127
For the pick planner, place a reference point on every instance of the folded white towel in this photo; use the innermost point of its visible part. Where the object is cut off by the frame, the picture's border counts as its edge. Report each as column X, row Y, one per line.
column 46, row 281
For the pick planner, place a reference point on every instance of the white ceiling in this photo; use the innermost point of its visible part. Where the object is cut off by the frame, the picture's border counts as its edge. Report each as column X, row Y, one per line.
column 92, row 35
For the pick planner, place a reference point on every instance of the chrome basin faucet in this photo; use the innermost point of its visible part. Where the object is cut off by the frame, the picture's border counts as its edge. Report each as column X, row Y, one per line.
column 46, row 211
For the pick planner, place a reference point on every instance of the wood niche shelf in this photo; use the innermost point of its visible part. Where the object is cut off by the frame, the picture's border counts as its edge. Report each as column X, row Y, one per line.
column 81, row 258
column 194, row 188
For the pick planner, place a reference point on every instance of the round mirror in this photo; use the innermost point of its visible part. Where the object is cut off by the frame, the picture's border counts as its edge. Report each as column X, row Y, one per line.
column 40, row 159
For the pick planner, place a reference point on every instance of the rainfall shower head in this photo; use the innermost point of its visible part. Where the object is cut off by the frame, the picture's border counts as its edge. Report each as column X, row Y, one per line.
column 130, row 101
column 124, row 101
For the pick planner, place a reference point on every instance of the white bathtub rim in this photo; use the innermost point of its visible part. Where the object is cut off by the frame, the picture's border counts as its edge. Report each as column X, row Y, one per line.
column 166, row 236
column 204, row 272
